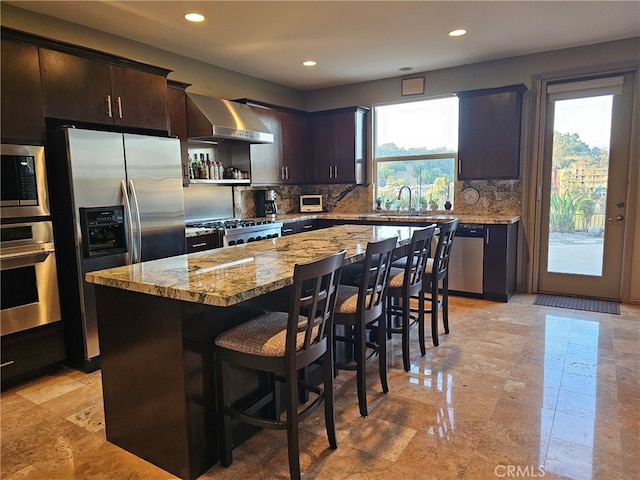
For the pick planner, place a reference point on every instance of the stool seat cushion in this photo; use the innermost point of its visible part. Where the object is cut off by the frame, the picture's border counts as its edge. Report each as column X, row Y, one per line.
column 265, row 336
column 396, row 277
column 347, row 300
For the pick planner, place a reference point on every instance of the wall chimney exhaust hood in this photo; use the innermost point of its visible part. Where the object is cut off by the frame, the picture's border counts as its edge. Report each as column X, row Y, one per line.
column 223, row 121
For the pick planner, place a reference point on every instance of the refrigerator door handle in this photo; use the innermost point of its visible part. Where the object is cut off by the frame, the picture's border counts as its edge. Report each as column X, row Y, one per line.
column 127, row 210
column 134, row 199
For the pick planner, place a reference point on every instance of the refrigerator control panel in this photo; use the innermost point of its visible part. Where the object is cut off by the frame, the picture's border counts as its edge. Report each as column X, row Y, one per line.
column 103, row 231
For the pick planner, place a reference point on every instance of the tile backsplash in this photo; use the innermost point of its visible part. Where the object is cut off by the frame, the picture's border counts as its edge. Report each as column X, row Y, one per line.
column 497, row 197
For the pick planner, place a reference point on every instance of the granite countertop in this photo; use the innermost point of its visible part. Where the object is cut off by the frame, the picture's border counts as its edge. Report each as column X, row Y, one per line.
column 382, row 218
column 226, row 276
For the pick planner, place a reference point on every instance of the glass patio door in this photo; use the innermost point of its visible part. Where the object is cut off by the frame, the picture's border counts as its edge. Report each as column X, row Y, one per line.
column 584, row 187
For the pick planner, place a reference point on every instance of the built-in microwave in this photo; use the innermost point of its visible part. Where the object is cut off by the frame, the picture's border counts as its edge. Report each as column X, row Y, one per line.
column 24, row 182
column 311, row 203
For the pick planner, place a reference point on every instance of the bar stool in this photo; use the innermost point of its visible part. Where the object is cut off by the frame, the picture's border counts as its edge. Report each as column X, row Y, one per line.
column 438, row 271
column 361, row 308
column 284, row 344
column 405, row 283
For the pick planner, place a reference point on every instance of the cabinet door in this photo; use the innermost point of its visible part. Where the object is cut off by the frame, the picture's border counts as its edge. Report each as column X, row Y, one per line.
column 75, row 88
column 295, row 147
column 22, row 113
column 139, row 98
column 489, row 133
column 177, row 112
column 266, row 159
column 323, row 147
column 500, row 256
column 339, row 146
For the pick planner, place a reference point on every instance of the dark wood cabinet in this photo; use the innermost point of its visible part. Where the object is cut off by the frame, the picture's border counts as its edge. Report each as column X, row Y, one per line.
column 22, row 112
column 298, row 226
column 177, row 112
column 339, row 151
column 31, row 352
column 283, row 161
column 81, row 89
column 489, row 133
column 200, row 243
column 500, row 257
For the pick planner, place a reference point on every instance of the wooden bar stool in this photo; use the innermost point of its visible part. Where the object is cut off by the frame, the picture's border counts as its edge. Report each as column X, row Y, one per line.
column 405, row 283
column 284, row 344
column 361, row 308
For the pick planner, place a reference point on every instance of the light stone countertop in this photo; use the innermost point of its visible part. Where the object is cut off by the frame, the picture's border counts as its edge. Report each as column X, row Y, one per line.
column 226, row 276
column 382, row 218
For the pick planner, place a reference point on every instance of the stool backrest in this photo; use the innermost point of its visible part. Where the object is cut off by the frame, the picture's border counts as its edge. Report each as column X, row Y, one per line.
column 374, row 279
column 312, row 304
column 443, row 249
column 417, row 256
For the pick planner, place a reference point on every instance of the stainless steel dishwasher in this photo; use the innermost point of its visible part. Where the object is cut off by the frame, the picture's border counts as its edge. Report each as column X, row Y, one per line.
column 467, row 257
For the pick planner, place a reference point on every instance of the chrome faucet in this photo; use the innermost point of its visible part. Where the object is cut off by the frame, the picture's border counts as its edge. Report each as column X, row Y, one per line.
column 400, row 195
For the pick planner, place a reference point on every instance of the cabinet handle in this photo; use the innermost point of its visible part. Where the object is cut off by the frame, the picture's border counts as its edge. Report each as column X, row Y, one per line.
column 196, row 245
column 459, row 167
column 281, row 173
column 487, row 231
column 6, row 364
column 335, row 171
column 286, row 173
column 307, row 227
column 108, row 102
column 119, row 107
column 330, row 171
column 287, row 230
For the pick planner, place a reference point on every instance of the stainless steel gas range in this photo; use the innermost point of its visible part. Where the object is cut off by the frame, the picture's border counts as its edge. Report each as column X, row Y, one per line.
column 236, row 232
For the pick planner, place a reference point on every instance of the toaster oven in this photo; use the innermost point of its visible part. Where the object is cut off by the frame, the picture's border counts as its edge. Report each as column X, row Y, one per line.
column 311, row 203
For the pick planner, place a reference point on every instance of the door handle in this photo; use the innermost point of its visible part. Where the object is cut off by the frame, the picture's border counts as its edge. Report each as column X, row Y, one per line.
column 618, row 218
column 127, row 210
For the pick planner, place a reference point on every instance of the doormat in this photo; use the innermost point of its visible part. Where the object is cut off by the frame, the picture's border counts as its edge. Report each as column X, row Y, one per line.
column 577, row 303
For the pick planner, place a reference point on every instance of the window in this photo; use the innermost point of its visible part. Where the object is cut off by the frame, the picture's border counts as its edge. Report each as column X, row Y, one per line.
column 415, row 144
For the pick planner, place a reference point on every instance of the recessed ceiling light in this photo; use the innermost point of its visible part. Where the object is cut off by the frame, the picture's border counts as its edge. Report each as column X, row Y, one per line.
column 457, row 33
column 309, row 63
column 405, row 69
column 194, row 17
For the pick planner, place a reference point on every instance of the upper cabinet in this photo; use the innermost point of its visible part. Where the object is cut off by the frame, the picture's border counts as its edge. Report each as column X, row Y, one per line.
column 283, row 161
column 489, row 133
column 177, row 111
column 82, row 89
column 339, row 146
column 22, row 112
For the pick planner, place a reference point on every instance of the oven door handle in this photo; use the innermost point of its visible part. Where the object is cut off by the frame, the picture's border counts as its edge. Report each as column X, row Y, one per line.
column 24, row 259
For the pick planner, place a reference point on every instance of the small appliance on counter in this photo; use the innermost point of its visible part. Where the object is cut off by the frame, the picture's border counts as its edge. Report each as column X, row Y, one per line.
column 311, row 203
column 266, row 203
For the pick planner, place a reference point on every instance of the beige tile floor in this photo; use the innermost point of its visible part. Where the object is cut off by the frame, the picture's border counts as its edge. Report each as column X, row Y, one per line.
column 514, row 391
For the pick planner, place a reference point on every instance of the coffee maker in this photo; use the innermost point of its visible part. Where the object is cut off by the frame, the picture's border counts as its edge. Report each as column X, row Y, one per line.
column 266, row 203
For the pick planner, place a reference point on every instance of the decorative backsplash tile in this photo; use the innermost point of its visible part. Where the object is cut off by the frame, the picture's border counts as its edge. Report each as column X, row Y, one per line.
column 497, row 197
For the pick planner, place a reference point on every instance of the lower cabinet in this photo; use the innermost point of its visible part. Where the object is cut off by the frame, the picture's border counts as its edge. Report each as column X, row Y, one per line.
column 29, row 353
column 201, row 242
column 298, row 226
column 500, row 257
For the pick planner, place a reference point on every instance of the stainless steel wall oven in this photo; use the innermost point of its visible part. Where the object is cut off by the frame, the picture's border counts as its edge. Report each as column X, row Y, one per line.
column 29, row 278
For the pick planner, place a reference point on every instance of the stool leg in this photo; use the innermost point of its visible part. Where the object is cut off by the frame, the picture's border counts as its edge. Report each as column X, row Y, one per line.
column 405, row 334
column 445, row 303
column 293, row 444
column 359, row 354
column 329, row 409
column 434, row 311
column 224, row 420
column 421, row 332
column 382, row 353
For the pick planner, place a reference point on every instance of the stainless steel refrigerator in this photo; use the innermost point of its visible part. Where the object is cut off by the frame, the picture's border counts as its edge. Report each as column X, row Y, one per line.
column 107, row 184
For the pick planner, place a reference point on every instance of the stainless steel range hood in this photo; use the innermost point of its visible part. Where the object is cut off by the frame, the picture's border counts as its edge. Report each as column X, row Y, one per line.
column 224, row 121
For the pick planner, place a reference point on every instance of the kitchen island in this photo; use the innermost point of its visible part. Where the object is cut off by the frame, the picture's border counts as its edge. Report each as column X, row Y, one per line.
column 157, row 321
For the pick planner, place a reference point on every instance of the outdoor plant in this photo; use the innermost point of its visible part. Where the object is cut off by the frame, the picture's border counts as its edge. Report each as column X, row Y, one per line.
column 562, row 213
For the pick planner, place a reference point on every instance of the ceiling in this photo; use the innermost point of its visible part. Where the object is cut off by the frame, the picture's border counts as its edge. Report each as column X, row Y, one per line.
column 351, row 41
